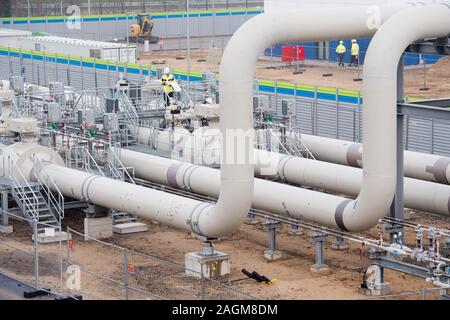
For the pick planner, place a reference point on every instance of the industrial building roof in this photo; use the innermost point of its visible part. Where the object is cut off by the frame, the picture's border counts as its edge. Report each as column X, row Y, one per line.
column 13, row 33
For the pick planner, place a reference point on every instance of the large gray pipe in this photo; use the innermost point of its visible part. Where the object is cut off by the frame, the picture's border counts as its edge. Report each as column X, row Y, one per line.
column 281, row 198
column 418, row 165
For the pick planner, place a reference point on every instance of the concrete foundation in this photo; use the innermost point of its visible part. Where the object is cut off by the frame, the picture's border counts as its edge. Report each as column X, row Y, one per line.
column 379, row 289
column 131, row 227
column 322, row 269
column 59, row 236
column 98, row 228
column 273, row 255
column 6, row 229
column 213, row 266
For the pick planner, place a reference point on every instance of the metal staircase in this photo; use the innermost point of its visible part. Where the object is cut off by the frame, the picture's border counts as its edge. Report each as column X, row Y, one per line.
column 287, row 142
column 36, row 201
column 299, row 148
column 130, row 122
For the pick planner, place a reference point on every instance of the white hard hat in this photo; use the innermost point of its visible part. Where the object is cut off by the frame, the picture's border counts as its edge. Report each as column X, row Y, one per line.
column 353, row 40
column 209, row 100
column 341, row 42
column 166, row 70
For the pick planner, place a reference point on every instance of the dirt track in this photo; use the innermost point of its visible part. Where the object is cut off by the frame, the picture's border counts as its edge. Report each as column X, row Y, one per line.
column 437, row 76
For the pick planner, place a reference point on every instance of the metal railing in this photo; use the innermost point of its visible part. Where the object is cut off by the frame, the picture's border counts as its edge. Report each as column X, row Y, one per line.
column 15, row 108
column 425, row 294
column 79, row 157
column 116, row 165
column 50, row 190
column 28, row 201
column 131, row 116
column 19, row 8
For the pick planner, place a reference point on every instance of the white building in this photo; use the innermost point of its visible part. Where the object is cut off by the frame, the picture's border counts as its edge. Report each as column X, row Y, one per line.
column 69, row 46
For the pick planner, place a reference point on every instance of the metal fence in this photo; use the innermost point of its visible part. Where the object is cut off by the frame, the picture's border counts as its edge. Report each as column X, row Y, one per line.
column 425, row 294
column 24, row 8
column 29, row 262
column 71, row 269
column 116, row 27
column 128, row 274
column 324, row 54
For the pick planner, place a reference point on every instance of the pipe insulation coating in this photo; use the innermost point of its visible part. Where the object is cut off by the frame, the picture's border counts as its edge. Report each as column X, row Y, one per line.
column 418, row 165
column 147, row 203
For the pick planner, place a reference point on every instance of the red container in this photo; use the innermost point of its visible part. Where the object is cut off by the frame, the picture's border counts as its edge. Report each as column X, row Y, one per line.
column 292, row 53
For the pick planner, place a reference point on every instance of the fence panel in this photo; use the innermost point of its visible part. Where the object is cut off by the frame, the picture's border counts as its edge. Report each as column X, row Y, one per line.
column 127, row 274
column 419, row 135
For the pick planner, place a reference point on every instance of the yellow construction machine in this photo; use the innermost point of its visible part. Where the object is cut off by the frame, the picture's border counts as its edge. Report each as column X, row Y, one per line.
column 142, row 30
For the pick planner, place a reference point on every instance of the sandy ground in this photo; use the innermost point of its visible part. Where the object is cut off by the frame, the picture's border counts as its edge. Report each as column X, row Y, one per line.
column 294, row 280
column 437, row 77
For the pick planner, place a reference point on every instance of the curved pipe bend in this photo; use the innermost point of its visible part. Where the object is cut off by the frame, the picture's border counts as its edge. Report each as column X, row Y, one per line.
column 380, row 99
column 236, row 83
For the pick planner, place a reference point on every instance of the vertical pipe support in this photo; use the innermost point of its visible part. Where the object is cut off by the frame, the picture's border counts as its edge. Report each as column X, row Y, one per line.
column 397, row 206
column 5, row 219
column 318, row 238
column 272, row 253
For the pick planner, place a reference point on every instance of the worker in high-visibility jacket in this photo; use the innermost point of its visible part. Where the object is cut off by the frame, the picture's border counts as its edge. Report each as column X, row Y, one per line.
column 341, row 50
column 355, row 54
column 166, row 82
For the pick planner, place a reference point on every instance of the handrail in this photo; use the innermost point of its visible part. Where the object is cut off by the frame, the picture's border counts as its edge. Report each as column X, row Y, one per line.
column 15, row 112
column 128, row 108
column 31, row 205
column 121, row 166
column 87, row 161
column 49, row 185
column 306, row 149
column 280, row 143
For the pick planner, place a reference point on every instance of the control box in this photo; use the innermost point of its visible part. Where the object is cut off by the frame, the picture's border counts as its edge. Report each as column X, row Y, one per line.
column 53, row 112
column 110, row 122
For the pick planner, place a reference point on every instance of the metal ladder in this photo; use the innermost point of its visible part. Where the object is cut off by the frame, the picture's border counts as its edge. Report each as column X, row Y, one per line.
column 34, row 204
